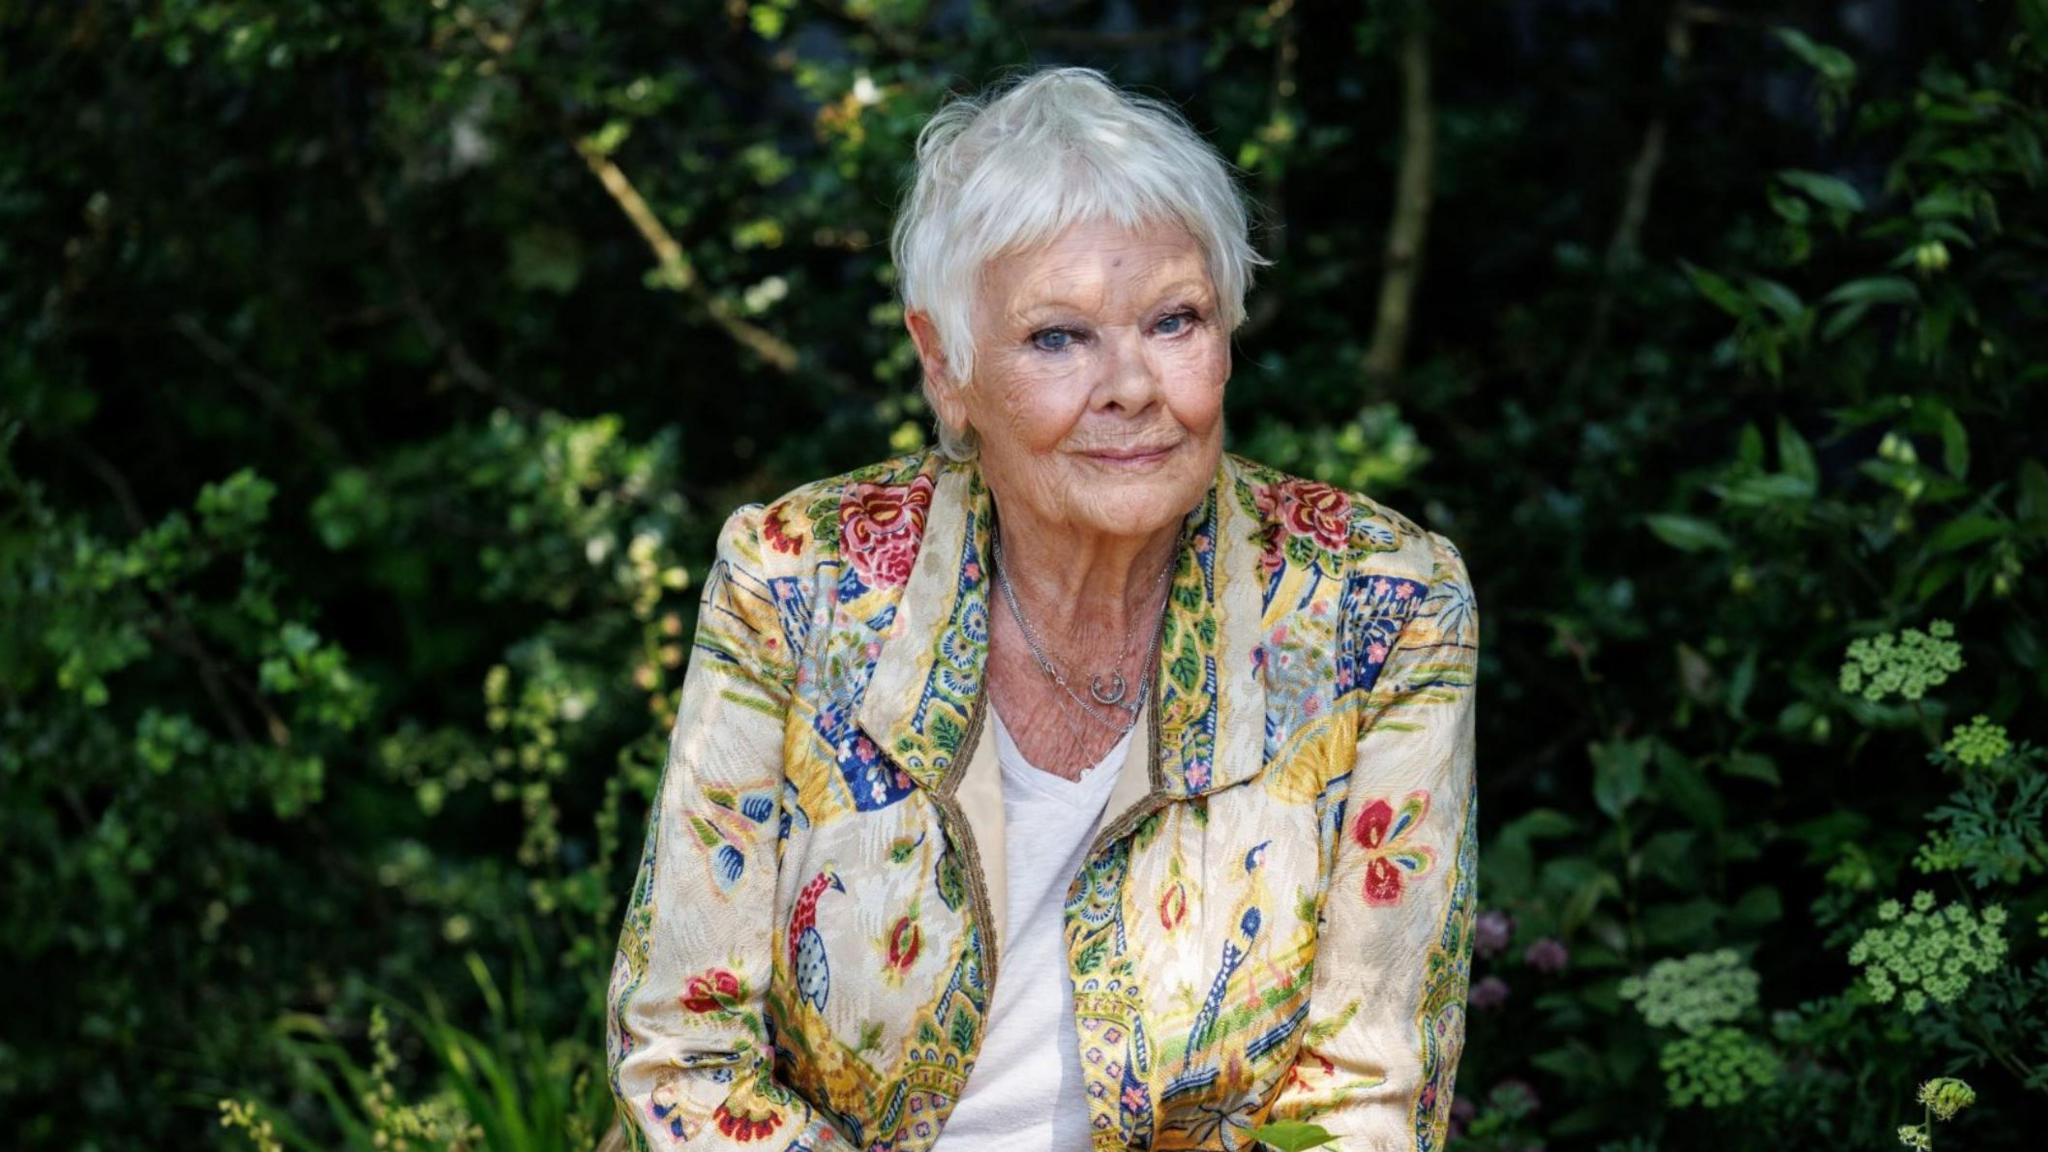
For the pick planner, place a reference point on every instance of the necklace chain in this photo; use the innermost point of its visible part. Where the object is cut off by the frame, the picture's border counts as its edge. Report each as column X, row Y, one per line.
column 1109, row 697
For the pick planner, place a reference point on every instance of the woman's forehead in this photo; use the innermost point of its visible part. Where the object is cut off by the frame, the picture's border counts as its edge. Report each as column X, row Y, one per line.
column 1090, row 265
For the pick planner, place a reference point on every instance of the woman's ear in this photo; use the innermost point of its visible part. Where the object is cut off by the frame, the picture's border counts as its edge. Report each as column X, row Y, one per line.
column 940, row 390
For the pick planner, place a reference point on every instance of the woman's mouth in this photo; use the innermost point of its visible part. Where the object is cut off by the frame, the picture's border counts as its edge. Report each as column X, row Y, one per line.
column 1136, row 456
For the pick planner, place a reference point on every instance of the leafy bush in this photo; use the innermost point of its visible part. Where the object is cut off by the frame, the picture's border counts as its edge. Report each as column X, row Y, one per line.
column 377, row 373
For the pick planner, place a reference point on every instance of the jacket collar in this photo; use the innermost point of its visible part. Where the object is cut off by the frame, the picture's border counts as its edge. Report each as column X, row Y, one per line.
column 1210, row 699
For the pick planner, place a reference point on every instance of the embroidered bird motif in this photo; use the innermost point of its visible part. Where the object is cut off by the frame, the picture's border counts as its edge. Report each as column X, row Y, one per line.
column 806, row 946
column 1212, row 1005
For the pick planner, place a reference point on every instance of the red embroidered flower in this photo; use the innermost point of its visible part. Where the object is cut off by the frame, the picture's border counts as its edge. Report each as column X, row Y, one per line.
column 775, row 525
column 1310, row 1071
column 711, row 992
column 1318, row 510
column 1382, row 830
column 882, row 525
column 1302, row 508
column 905, row 939
column 1173, row 906
column 746, row 1128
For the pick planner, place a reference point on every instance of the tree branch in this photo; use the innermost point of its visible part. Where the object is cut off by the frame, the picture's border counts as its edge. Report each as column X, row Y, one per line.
column 1413, row 191
column 676, row 269
column 1624, row 245
column 675, row 263
column 213, row 675
column 264, row 389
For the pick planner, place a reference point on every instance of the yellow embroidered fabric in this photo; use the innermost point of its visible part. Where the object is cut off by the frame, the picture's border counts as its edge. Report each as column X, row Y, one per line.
column 1280, row 928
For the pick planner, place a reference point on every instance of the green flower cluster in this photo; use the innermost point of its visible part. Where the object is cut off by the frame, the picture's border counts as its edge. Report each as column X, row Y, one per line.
column 1979, row 743
column 1943, row 1097
column 1717, row 1068
column 1932, row 954
column 1906, row 664
column 1694, row 993
column 1939, row 854
column 1946, row 1096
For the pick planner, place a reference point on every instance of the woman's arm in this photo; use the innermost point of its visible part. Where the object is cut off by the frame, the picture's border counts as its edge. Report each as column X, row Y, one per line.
column 685, row 1031
column 1386, row 1021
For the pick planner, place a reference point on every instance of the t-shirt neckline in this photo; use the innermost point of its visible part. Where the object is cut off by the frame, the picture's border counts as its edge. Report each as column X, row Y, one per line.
column 1094, row 784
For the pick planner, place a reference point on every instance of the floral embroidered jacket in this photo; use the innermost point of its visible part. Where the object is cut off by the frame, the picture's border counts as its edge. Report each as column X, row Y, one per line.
column 1273, row 921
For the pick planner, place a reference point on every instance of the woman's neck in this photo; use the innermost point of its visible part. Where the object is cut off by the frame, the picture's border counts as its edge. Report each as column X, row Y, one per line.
column 1084, row 587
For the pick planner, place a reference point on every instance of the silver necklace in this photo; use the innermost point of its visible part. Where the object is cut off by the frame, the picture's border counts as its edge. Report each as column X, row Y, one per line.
column 1110, row 695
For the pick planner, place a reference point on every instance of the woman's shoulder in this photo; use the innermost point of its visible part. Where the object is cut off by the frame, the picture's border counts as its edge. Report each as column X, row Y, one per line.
column 876, row 512
column 1309, row 522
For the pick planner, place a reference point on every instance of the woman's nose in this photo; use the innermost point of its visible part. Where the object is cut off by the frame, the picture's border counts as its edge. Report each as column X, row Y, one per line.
column 1130, row 378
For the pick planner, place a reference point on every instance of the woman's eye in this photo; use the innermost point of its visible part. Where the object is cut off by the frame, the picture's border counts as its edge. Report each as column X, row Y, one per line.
column 1175, row 324
column 1053, row 339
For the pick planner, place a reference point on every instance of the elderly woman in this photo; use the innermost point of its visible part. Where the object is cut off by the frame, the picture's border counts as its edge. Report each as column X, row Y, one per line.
column 1077, row 785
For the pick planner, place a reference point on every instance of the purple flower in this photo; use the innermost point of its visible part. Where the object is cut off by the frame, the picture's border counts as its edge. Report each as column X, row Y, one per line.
column 1488, row 994
column 1462, row 1113
column 1490, row 936
column 1547, row 955
column 1514, row 1097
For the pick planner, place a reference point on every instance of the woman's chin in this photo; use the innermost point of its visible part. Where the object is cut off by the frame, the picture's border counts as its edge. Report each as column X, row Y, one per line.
column 1140, row 505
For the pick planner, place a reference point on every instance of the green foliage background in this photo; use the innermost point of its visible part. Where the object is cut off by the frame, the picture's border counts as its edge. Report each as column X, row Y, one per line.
column 375, row 373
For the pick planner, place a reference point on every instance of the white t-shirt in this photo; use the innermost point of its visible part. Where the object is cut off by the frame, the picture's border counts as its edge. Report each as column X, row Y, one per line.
column 1025, row 1093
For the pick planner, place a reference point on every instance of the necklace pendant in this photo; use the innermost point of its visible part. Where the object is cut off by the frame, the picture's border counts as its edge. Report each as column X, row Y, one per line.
column 1113, row 694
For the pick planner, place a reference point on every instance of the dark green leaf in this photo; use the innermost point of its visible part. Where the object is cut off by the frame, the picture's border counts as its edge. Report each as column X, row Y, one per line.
column 1688, row 533
column 1828, row 190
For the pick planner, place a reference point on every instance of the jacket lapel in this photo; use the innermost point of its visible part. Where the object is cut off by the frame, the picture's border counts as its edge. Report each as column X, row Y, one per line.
column 1212, row 702
column 930, row 670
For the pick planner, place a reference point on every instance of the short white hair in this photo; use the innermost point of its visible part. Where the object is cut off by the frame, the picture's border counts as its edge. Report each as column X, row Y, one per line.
column 1017, row 166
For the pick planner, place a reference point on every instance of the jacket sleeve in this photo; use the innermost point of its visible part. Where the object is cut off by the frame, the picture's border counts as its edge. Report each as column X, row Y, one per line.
column 1386, row 1022
column 688, row 1051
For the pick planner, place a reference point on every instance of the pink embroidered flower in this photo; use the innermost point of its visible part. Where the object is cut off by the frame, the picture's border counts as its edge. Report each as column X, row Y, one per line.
column 882, row 525
column 711, row 992
column 1383, row 831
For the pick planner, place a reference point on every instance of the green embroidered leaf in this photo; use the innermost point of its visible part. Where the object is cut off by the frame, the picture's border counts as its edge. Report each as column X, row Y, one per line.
column 952, row 886
column 1292, row 1135
column 706, row 834
column 1090, row 958
column 946, row 732
column 962, row 1036
column 1146, row 831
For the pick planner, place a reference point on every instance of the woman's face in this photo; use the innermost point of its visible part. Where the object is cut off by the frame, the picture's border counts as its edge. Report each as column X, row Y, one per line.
column 1098, row 381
